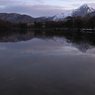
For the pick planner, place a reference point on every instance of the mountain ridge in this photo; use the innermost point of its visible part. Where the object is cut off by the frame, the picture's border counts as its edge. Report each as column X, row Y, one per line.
column 15, row 17
column 83, row 10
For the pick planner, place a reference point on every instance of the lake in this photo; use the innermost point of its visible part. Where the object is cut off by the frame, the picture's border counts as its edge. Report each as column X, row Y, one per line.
column 36, row 64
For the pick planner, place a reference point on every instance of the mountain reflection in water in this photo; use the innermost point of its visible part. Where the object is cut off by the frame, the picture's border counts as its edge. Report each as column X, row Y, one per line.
column 82, row 43
column 36, row 64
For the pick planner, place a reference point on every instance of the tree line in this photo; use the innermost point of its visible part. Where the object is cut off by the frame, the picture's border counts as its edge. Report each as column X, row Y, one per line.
column 7, row 25
column 87, row 22
column 70, row 22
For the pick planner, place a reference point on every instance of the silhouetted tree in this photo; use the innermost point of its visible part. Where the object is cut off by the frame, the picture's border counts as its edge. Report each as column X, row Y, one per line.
column 78, row 23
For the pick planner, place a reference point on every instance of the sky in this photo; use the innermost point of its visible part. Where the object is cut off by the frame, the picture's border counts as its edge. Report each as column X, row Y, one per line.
column 37, row 8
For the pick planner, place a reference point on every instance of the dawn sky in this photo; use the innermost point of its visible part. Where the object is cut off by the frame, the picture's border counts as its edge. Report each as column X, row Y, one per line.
column 36, row 8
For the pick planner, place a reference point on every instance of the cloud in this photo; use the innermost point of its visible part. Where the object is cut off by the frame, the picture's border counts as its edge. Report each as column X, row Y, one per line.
column 75, row 5
column 8, row 2
column 33, row 10
column 20, row 2
column 39, row 1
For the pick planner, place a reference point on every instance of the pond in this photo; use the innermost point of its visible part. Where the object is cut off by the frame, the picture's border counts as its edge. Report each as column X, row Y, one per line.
column 46, row 65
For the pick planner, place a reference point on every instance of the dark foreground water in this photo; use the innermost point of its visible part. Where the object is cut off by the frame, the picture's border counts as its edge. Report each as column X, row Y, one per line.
column 46, row 66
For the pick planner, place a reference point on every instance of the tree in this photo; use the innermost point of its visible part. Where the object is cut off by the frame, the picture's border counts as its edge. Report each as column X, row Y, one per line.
column 78, row 23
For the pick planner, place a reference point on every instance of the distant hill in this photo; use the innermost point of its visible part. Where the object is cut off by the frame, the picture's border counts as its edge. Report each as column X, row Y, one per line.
column 14, row 17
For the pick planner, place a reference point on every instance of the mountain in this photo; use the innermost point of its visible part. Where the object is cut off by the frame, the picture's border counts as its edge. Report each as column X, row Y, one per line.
column 13, row 17
column 60, row 17
column 84, row 10
column 81, row 11
column 46, row 18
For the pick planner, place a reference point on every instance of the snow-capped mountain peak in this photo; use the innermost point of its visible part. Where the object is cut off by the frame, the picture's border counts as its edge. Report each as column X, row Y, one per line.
column 88, row 5
column 84, row 10
column 63, row 15
column 81, row 11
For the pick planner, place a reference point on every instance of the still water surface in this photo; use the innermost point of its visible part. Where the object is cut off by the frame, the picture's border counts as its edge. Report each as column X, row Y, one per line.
column 46, row 66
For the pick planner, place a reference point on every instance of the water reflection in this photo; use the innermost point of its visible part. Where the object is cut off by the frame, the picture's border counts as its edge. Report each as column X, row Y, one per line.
column 84, row 42
column 36, row 64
